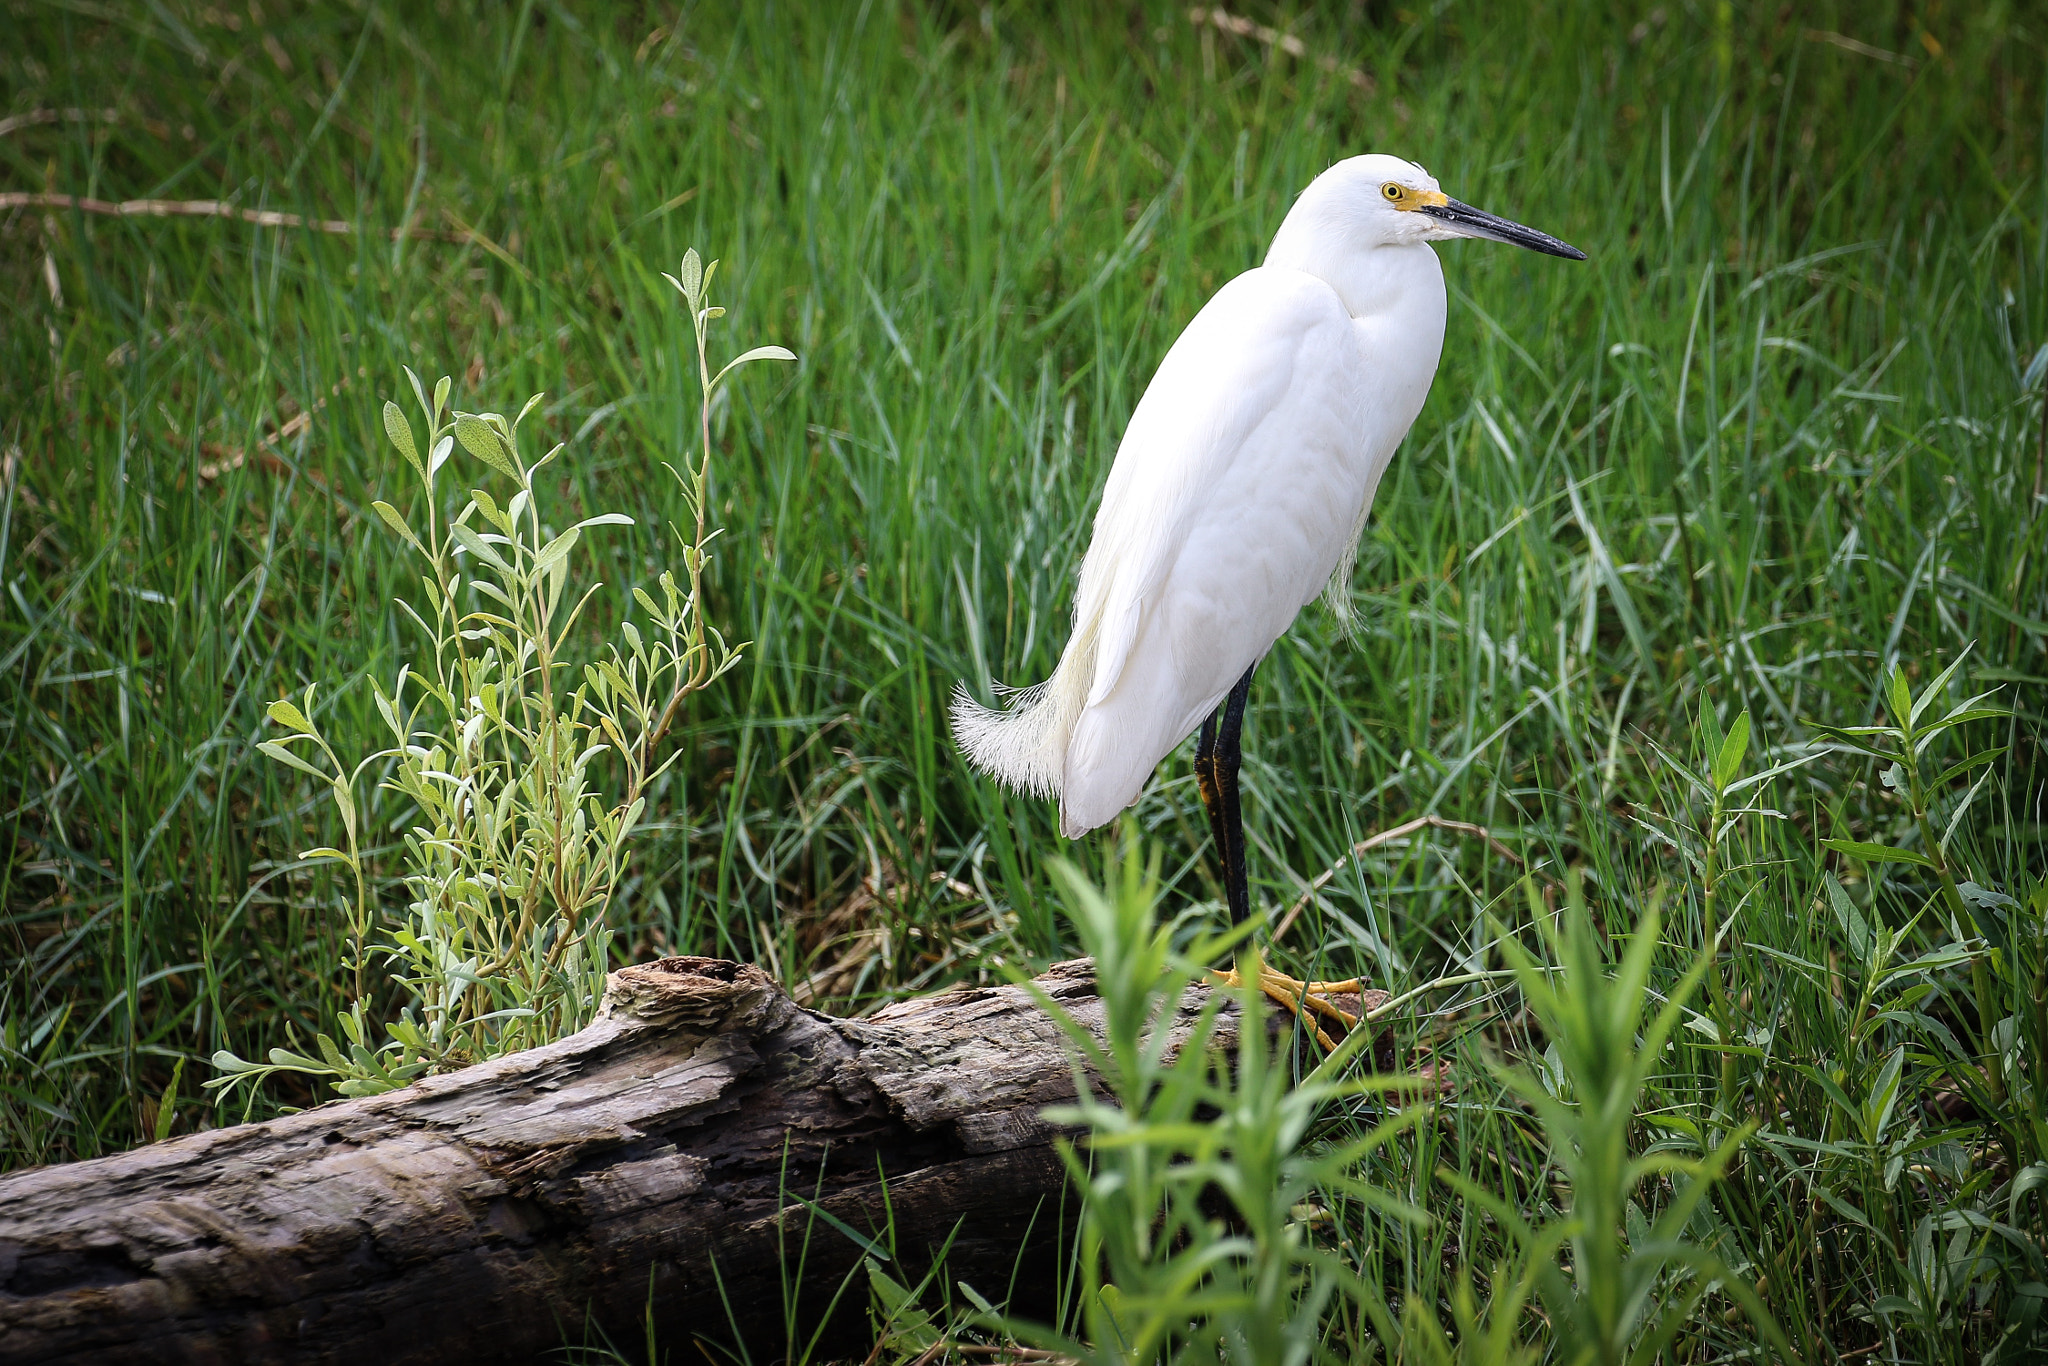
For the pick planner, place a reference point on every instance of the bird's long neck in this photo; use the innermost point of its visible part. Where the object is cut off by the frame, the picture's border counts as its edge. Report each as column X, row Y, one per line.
column 1401, row 278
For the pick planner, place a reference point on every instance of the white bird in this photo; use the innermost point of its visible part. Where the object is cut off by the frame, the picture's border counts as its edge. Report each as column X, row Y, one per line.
column 1238, row 494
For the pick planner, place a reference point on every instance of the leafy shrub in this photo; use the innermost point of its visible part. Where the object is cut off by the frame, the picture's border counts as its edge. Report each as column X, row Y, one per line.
column 498, row 739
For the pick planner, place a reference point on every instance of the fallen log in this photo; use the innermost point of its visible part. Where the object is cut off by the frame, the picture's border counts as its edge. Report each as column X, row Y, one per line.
column 669, row 1161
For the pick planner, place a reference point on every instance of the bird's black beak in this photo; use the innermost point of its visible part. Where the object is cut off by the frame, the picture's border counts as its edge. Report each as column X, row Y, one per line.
column 1472, row 222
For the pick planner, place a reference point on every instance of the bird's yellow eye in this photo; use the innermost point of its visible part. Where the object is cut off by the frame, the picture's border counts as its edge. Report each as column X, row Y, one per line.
column 1394, row 192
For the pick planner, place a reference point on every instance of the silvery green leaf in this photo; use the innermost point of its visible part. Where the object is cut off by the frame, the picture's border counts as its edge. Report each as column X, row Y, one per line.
column 351, row 1025
column 1710, row 730
column 400, row 433
column 1683, row 770
column 441, row 393
column 1901, row 697
column 553, row 552
column 1960, row 716
column 285, row 714
column 1878, row 853
column 1939, row 687
column 1729, row 761
column 439, row 457
column 489, row 507
column 1848, row 917
column 1955, row 819
column 758, row 353
column 604, row 519
column 389, row 712
column 692, row 272
column 530, row 405
column 419, row 390
column 417, row 620
column 1985, row 898
column 1883, row 1096
column 286, row 757
column 556, row 582
column 1756, row 778
column 345, row 802
column 481, row 440
column 397, row 524
column 1893, row 776
column 474, row 544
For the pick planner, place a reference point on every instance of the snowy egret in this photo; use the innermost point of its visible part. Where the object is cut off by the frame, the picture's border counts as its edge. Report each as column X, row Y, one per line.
column 1238, row 493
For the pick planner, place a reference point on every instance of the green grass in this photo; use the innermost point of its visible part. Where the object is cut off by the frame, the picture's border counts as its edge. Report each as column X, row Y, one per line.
column 1769, row 440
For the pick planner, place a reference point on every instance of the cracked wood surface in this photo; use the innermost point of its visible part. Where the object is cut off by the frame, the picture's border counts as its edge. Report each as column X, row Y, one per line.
column 487, row 1215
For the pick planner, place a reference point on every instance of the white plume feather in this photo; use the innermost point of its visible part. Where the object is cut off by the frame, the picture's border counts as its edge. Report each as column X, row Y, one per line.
column 1023, row 744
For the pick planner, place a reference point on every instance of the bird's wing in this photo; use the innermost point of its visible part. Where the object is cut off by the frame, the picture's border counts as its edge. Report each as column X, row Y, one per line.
column 1272, row 350
column 1239, row 485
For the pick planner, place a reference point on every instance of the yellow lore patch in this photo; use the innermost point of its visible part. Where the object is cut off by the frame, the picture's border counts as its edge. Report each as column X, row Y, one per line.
column 1407, row 198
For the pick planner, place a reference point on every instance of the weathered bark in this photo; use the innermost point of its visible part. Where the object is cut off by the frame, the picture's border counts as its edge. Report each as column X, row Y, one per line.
column 654, row 1159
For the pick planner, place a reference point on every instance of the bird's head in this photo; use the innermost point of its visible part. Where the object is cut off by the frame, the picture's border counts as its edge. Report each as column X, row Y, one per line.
column 1395, row 202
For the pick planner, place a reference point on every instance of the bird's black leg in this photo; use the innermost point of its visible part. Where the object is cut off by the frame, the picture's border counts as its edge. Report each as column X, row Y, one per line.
column 1205, row 779
column 1218, row 753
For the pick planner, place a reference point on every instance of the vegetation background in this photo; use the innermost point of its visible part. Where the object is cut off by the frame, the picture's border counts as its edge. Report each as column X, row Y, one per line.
column 1778, row 435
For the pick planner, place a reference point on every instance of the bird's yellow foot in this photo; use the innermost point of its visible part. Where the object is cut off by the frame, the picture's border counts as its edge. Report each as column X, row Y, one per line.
column 1307, row 1001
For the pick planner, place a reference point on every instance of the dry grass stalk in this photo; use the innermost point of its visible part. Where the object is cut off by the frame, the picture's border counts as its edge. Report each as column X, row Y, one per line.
column 207, row 208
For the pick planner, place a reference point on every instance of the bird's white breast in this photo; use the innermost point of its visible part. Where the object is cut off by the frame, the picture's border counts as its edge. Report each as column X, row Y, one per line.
column 1285, row 508
column 1241, row 483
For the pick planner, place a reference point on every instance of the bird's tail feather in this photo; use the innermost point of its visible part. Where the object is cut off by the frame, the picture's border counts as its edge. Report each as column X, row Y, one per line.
column 1023, row 744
